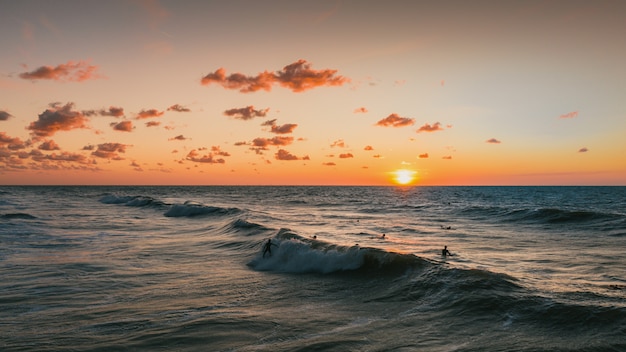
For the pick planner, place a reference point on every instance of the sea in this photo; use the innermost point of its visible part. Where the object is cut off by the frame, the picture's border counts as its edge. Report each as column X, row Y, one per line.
column 166, row 268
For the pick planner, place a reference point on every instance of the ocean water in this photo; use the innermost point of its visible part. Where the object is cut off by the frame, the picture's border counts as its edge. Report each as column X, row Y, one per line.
column 181, row 269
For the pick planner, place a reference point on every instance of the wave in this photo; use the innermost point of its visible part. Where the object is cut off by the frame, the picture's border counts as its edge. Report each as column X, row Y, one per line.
column 132, row 201
column 189, row 209
column 23, row 216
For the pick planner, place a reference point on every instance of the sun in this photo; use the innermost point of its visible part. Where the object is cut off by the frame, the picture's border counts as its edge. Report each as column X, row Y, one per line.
column 404, row 176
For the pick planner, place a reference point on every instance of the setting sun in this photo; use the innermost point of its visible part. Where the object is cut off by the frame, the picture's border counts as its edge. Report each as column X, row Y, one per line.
column 404, row 176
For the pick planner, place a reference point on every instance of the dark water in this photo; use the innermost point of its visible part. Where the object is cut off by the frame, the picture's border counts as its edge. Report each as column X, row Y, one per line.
column 180, row 269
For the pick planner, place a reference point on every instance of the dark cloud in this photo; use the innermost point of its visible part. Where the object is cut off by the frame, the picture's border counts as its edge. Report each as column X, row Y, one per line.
column 180, row 137
column 49, row 145
column 4, row 115
column 11, row 143
column 178, row 108
column 583, row 150
column 209, row 158
column 153, row 123
column 284, row 129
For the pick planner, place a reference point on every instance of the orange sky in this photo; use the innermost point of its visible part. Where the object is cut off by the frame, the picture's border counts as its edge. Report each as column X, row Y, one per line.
column 321, row 93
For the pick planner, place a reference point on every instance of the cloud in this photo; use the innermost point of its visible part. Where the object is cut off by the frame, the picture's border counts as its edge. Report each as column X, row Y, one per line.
column 113, row 111
column 368, row 148
column 4, row 115
column 110, row 151
column 89, row 147
column 246, row 113
column 124, row 126
column 282, row 154
column 394, row 120
column 58, row 118
column 178, row 108
column 70, row 71
column 430, row 128
column 493, row 141
column 180, row 137
column 361, row 110
column 329, row 164
column 338, row 143
column 423, row 156
column 63, row 157
column 153, row 123
column 346, row 156
column 447, row 157
column 583, row 150
column 49, row 145
column 275, row 141
column 209, row 158
column 146, row 114
column 297, row 76
column 284, row 129
column 11, row 143
column 569, row 115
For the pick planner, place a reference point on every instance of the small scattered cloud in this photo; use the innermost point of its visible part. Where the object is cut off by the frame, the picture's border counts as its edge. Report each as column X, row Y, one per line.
column 111, row 111
column 493, row 141
column 11, row 143
column 394, row 120
column 282, row 154
column 146, row 114
column 68, row 72
column 423, row 156
column 368, row 148
column 329, row 164
column 338, row 143
column 346, row 156
column 212, row 157
column 180, row 137
column 178, row 108
column 360, row 110
column 110, row 151
column 124, row 126
column 4, row 115
column 153, row 123
column 430, row 128
column 247, row 113
column 447, row 157
column 569, row 115
column 49, row 145
column 298, row 76
column 58, row 118
column 583, row 150
column 283, row 129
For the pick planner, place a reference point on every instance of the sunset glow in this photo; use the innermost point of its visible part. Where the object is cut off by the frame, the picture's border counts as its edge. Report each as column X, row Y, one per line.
column 320, row 93
column 403, row 176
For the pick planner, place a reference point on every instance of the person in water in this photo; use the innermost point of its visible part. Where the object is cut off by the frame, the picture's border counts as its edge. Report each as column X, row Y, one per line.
column 445, row 251
column 267, row 248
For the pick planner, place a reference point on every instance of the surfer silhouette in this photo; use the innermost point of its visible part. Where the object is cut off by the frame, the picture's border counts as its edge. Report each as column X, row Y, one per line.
column 267, row 248
column 445, row 251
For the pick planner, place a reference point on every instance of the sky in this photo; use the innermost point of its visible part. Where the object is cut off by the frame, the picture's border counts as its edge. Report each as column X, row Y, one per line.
column 130, row 92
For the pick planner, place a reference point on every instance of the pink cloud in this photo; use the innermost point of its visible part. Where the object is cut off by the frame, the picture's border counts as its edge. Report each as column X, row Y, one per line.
column 124, row 126
column 58, row 118
column 297, row 76
column 394, row 120
column 569, row 115
column 493, row 141
column 430, row 128
column 361, row 110
column 338, row 143
column 282, row 154
column 246, row 113
column 70, row 71
column 146, row 114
